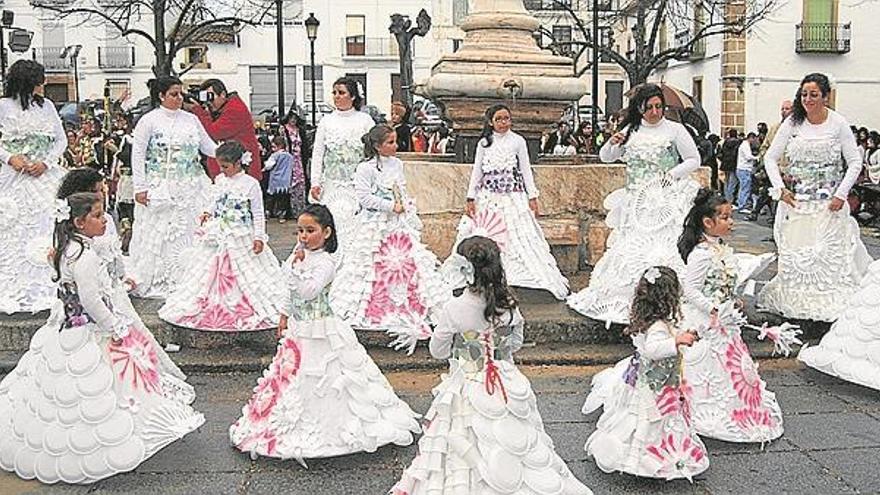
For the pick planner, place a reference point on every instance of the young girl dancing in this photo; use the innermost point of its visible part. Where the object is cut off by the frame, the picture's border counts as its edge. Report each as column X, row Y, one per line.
column 389, row 279
column 645, row 428
column 322, row 395
column 87, row 400
column 108, row 247
column 231, row 283
column 502, row 204
column 484, row 433
column 730, row 401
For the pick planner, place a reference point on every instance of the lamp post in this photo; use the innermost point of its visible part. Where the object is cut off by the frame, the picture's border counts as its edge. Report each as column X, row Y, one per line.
column 312, row 32
column 594, row 118
column 279, row 47
column 72, row 51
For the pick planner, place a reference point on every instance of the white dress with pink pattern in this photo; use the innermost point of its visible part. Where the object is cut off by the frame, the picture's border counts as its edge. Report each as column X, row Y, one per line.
column 226, row 287
column 88, row 399
column 322, row 396
column 730, row 401
column 645, row 428
column 389, row 279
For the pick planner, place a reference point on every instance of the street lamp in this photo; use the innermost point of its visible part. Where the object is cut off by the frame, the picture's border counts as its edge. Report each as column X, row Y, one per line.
column 312, row 32
column 72, row 51
column 279, row 48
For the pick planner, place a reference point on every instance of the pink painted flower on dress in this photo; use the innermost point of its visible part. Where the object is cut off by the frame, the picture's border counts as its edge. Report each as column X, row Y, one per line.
column 751, row 418
column 677, row 454
column 489, row 222
column 743, row 372
column 394, row 263
column 263, row 443
column 264, row 399
column 213, row 306
column 134, row 358
column 287, row 360
column 675, row 400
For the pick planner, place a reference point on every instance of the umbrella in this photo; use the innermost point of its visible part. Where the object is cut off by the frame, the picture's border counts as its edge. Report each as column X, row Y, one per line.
column 680, row 107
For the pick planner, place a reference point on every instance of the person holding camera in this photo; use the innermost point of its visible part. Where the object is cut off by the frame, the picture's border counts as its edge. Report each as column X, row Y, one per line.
column 226, row 118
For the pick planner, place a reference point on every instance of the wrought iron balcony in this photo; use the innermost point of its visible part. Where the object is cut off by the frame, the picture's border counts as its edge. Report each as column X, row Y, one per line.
column 822, row 37
column 118, row 58
column 371, row 47
column 698, row 49
column 50, row 57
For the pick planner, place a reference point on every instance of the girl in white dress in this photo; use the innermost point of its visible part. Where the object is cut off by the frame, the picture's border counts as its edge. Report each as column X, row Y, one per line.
column 821, row 254
column 171, row 189
column 337, row 151
column 232, row 281
column 484, row 433
column 389, row 279
column 730, row 400
column 322, row 396
column 108, row 247
column 87, row 400
column 502, row 204
column 646, row 216
column 31, row 146
column 645, row 428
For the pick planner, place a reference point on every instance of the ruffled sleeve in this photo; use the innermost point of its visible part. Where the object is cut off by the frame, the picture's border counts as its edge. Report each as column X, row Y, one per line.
column 363, row 187
column 687, row 150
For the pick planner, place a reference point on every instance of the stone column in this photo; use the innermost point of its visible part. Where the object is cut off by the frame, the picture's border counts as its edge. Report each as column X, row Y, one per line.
column 733, row 71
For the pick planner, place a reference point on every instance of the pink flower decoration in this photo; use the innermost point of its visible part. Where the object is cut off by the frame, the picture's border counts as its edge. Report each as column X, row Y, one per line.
column 287, row 361
column 677, row 454
column 675, row 400
column 264, row 399
column 262, row 442
column 394, row 263
column 743, row 373
column 490, row 223
column 214, row 312
column 749, row 418
column 135, row 356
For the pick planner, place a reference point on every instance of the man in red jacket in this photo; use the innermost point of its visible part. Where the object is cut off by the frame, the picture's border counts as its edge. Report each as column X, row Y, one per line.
column 228, row 120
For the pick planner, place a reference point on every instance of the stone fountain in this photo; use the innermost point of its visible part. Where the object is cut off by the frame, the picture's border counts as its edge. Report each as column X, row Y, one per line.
column 499, row 61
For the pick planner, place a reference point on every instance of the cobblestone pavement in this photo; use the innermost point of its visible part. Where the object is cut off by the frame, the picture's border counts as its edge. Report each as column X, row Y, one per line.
column 831, row 445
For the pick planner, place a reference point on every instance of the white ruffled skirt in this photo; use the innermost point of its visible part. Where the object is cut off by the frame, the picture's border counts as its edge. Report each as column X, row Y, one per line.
column 27, row 221
column 227, row 288
column 851, row 349
column 646, row 222
column 480, row 442
column 322, row 396
column 821, row 262
column 80, row 407
column 525, row 254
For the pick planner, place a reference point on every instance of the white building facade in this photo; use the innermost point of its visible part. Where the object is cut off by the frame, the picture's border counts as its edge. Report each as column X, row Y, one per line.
column 834, row 37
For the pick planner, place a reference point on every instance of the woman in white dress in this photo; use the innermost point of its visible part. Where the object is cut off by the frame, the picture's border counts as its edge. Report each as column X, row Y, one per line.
column 323, row 395
column 171, row 189
column 87, row 400
column 646, row 216
column 821, row 254
column 31, row 146
column 232, row 282
column 484, row 432
column 389, row 280
column 502, row 204
column 337, row 151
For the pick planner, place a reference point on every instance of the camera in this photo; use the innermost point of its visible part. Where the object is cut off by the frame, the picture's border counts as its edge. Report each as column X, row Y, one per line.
column 199, row 96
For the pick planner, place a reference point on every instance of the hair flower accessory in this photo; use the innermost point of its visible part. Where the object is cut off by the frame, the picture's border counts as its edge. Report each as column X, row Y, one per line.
column 246, row 158
column 462, row 269
column 652, row 274
column 62, row 210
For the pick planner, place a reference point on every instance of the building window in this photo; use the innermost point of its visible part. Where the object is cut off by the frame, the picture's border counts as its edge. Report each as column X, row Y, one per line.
column 355, row 35
column 459, row 11
column 562, row 37
column 697, row 89
column 307, row 85
column 118, row 87
column 197, row 56
column 606, row 39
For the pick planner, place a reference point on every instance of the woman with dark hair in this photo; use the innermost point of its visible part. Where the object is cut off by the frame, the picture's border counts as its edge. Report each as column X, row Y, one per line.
column 32, row 144
column 294, row 129
column 170, row 189
column 336, row 154
column 646, row 216
column 821, row 255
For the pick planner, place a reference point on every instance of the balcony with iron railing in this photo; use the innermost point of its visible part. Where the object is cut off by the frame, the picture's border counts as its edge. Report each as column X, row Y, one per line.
column 822, row 37
column 50, row 58
column 116, row 58
column 371, row 47
column 575, row 5
column 697, row 50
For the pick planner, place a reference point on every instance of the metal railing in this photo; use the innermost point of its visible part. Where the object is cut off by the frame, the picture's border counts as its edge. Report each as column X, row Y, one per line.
column 822, row 37
column 116, row 57
column 698, row 49
column 576, row 5
column 50, row 57
column 371, row 47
